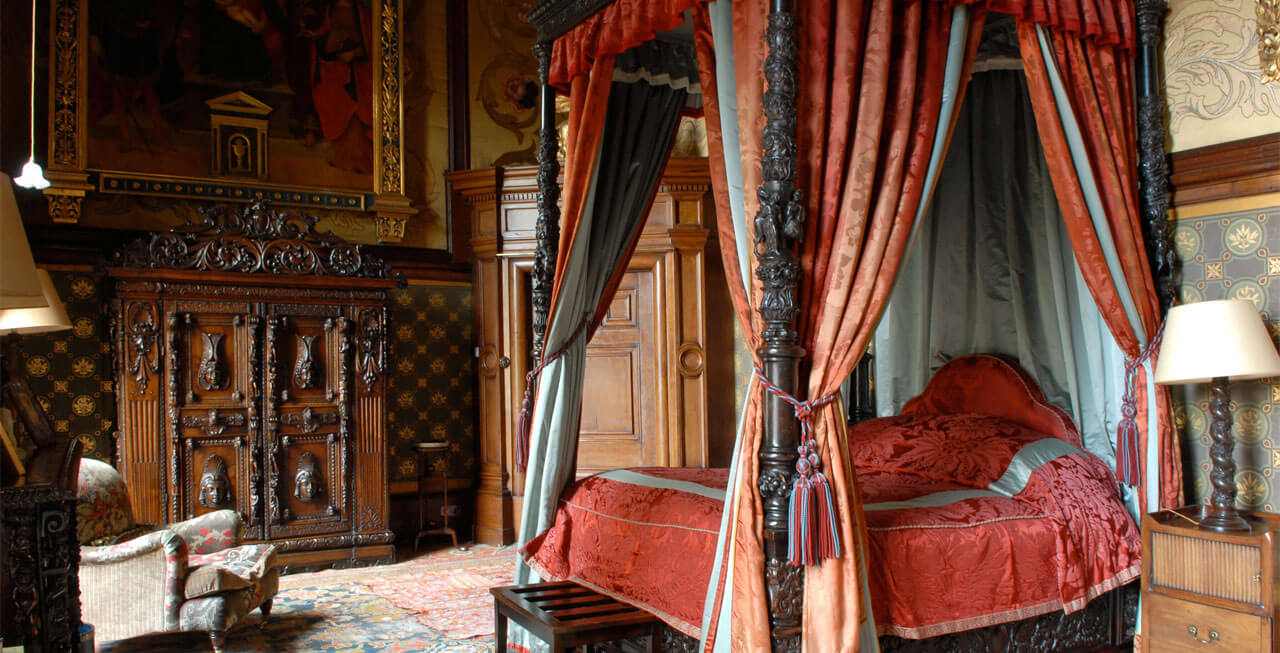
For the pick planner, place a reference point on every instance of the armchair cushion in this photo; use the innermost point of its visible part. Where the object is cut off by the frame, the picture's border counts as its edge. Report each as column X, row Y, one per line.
column 210, row 532
column 103, row 512
column 222, row 611
column 229, row 569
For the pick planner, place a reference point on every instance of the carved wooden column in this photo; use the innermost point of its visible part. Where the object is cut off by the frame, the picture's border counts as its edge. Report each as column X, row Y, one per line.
column 548, row 226
column 68, row 160
column 1153, row 167
column 778, row 225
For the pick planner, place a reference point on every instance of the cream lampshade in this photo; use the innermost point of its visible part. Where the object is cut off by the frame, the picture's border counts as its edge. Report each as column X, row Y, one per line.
column 1206, row 340
column 1213, row 342
column 50, row 317
column 19, row 287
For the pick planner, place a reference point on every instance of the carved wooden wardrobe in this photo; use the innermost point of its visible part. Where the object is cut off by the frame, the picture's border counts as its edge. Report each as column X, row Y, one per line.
column 250, row 357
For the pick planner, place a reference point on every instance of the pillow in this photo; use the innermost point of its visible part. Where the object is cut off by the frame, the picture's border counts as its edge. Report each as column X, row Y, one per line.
column 969, row 448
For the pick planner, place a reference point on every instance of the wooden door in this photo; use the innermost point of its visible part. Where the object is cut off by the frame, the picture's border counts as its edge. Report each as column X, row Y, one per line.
column 622, row 425
column 208, row 369
column 307, row 407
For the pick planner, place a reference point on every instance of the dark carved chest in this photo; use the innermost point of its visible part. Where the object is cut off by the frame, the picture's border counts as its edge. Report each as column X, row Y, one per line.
column 250, row 362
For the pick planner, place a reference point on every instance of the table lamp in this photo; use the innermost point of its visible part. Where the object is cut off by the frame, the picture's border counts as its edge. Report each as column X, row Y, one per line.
column 1214, row 342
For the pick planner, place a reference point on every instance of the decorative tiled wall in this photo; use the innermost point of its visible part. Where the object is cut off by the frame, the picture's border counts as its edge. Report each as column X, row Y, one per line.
column 1233, row 255
column 429, row 395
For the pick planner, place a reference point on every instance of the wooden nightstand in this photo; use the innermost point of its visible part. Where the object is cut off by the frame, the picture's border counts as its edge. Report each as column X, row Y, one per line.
column 1203, row 590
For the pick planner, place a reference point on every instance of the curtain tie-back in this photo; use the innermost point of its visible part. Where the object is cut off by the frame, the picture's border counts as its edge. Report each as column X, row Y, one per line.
column 526, row 406
column 1128, row 466
column 812, row 535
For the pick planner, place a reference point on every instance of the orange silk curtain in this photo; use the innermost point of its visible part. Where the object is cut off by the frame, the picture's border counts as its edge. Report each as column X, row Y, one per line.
column 617, row 27
column 871, row 81
column 1098, row 80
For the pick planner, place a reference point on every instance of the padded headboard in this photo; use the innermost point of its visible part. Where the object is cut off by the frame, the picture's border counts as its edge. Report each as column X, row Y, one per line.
column 993, row 386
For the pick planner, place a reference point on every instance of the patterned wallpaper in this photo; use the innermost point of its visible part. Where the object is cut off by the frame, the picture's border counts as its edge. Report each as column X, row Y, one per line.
column 1213, row 78
column 429, row 395
column 432, row 378
column 70, row 371
column 1233, row 255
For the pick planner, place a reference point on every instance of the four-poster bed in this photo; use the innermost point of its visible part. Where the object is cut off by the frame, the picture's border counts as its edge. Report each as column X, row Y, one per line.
column 788, row 300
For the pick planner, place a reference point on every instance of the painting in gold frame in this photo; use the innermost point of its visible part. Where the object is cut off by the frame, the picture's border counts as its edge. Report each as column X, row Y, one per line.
column 84, row 73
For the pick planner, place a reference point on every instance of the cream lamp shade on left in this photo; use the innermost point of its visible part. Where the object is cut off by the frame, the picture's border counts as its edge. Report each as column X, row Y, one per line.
column 50, row 317
column 19, row 286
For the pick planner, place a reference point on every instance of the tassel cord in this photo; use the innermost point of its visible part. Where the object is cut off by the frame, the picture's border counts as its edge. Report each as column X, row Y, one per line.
column 526, row 405
column 812, row 532
column 1128, row 467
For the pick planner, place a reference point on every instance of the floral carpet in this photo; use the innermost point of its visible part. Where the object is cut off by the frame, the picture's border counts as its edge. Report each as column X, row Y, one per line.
column 336, row 611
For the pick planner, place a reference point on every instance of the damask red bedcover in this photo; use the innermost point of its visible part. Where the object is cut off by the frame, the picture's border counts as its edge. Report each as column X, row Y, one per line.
column 972, row 521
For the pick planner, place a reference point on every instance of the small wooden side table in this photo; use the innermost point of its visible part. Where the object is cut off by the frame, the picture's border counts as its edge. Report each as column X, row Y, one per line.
column 428, row 451
column 1201, row 588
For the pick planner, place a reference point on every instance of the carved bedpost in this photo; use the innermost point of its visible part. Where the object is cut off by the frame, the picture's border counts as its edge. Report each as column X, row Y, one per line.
column 548, row 225
column 778, row 226
column 1153, row 166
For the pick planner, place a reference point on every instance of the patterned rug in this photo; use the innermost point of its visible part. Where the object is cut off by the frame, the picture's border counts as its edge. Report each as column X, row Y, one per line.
column 455, row 603
column 334, row 611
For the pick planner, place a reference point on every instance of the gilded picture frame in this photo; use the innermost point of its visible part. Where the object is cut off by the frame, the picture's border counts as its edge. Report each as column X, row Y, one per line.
column 72, row 176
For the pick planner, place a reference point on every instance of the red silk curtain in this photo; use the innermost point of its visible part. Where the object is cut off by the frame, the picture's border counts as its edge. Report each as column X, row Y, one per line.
column 871, row 83
column 619, row 26
column 1098, row 80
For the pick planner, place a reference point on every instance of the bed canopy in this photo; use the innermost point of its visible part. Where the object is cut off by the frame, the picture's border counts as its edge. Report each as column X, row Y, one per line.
column 827, row 123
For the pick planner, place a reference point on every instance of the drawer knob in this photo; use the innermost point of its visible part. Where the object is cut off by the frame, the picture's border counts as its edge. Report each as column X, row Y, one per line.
column 1195, row 632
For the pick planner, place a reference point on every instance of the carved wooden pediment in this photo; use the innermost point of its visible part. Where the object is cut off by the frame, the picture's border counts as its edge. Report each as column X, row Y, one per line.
column 254, row 238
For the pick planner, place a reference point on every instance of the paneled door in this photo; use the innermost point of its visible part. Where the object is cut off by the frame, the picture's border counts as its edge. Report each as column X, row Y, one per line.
column 308, row 439
column 209, row 370
column 620, row 412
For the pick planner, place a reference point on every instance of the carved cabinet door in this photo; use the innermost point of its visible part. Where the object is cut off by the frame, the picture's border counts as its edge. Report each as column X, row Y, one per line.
column 307, row 379
column 211, row 409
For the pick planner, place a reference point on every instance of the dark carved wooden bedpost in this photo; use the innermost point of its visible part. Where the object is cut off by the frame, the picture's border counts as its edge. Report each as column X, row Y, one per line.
column 547, row 229
column 1153, row 167
column 778, row 225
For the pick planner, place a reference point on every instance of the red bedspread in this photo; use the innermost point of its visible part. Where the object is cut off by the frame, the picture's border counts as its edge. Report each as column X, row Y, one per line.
column 972, row 521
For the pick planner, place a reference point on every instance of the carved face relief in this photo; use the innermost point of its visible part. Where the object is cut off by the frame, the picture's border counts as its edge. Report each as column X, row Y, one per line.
column 307, row 484
column 305, row 367
column 210, row 372
column 215, row 485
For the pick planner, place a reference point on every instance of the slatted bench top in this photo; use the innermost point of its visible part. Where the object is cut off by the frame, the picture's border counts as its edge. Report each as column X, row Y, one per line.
column 565, row 614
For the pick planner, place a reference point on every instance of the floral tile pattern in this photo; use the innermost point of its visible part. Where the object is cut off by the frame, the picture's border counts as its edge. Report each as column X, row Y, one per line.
column 1231, row 256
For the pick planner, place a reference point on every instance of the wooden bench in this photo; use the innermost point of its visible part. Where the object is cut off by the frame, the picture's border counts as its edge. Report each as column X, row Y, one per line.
column 566, row 615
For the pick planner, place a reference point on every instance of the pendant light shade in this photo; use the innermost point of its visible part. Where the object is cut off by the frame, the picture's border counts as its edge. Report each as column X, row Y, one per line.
column 32, row 176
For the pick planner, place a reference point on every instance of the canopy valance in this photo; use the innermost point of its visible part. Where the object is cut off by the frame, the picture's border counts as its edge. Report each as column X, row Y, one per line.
column 624, row 24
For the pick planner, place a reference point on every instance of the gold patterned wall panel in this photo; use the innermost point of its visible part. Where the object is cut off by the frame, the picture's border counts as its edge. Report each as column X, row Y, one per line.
column 70, row 371
column 1214, row 83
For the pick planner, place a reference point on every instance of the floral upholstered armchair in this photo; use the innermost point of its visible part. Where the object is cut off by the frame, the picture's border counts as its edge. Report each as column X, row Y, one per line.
column 192, row 575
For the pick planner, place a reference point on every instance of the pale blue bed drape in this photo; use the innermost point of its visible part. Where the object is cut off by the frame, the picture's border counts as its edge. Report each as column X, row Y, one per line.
column 992, row 271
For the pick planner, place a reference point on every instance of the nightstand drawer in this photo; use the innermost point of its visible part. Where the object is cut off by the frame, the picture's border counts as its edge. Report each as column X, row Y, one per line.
column 1190, row 562
column 1176, row 625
